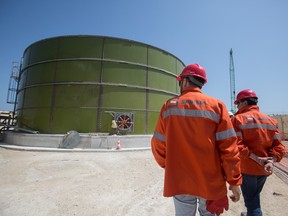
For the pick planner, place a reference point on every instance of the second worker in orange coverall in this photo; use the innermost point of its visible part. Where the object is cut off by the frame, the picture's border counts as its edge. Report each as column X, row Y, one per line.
column 194, row 141
column 259, row 142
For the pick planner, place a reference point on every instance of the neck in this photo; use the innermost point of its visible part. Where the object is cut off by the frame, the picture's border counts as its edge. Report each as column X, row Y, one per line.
column 189, row 88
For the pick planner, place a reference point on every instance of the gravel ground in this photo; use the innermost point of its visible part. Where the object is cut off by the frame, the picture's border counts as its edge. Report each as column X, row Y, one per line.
column 99, row 183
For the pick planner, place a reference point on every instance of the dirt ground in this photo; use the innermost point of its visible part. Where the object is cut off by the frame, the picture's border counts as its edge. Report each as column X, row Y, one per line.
column 99, row 183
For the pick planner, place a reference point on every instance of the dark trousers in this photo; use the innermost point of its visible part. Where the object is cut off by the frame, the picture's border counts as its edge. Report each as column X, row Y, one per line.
column 251, row 188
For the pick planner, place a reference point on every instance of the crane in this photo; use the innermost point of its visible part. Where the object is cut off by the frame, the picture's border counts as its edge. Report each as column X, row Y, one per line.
column 232, row 82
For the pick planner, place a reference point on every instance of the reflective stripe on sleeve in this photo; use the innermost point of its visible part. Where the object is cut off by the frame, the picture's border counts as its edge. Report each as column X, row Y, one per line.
column 159, row 136
column 239, row 134
column 225, row 134
column 277, row 137
column 192, row 113
column 249, row 126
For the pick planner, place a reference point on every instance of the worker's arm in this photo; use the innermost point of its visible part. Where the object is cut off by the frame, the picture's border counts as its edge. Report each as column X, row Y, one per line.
column 158, row 142
column 277, row 151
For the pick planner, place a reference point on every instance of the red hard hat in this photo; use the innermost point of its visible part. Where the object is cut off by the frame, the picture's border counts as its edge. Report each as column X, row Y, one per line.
column 247, row 93
column 193, row 70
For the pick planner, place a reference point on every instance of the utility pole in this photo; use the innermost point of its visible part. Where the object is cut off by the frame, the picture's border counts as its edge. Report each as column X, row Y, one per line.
column 232, row 82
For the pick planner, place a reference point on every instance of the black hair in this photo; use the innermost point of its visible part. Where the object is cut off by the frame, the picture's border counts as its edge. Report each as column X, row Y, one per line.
column 251, row 101
column 196, row 81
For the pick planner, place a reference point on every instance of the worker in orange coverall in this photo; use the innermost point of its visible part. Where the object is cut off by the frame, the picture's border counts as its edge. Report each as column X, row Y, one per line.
column 194, row 141
column 259, row 144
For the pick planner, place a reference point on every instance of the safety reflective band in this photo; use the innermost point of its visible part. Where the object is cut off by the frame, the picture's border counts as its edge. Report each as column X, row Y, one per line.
column 225, row 134
column 239, row 134
column 277, row 136
column 192, row 113
column 159, row 136
column 249, row 126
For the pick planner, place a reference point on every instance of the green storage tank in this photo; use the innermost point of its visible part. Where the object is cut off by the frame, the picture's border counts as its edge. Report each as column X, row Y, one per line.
column 84, row 82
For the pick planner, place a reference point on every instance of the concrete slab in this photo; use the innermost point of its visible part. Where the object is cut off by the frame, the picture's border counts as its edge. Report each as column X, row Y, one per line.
column 87, row 141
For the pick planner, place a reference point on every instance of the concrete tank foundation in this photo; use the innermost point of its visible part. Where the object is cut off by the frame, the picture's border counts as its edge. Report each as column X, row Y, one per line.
column 87, row 141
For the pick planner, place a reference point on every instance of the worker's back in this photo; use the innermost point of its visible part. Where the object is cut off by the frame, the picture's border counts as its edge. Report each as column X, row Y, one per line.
column 196, row 127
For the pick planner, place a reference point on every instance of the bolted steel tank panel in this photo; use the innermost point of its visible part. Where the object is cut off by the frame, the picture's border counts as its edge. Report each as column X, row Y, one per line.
column 84, row 82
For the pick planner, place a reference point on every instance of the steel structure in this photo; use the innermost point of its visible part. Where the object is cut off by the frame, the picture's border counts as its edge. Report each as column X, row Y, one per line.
column 14, row 78
column 232, row 82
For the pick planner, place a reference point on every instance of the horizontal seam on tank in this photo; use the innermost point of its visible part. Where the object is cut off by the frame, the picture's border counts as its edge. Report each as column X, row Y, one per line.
column 100, row 59
column 97, row 83
column 86, row 107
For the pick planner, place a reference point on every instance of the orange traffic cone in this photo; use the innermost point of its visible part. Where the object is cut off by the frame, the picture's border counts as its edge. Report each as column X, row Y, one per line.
column 118, row 144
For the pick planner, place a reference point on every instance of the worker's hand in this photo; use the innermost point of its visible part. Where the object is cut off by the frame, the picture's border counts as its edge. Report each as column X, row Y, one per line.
column 268, row 167
column 217, row 206
column 236, row 193
column 265, row 160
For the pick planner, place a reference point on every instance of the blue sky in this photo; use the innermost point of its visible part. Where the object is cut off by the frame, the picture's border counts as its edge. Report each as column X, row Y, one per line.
column 196, row 31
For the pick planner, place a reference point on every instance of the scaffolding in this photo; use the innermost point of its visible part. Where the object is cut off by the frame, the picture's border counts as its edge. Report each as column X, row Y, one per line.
column 7, row 120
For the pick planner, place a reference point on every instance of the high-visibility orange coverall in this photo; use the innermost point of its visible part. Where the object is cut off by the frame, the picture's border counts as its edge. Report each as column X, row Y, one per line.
column 259, row 134
column 194, row 141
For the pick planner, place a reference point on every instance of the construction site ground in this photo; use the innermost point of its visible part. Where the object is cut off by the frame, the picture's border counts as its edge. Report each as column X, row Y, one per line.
column 130, row 183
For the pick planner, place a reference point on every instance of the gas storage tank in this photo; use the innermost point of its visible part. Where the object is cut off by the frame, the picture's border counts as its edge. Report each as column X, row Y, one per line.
column 83, row 83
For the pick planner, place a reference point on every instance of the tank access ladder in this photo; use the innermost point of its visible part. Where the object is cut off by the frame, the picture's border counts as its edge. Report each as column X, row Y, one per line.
column 13, row 83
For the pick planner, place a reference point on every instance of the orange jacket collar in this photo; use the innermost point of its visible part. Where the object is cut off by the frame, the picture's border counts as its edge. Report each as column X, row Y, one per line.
column 248, row 108
column 191, row 89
